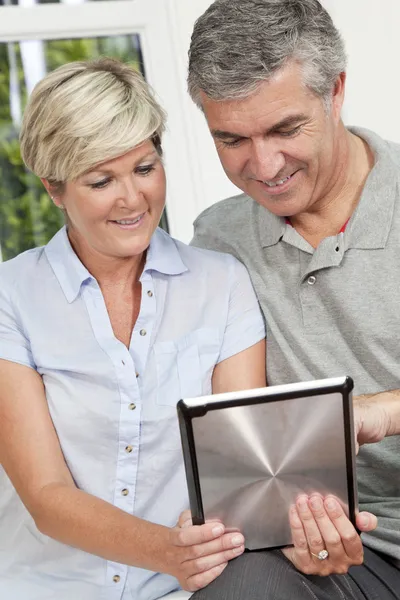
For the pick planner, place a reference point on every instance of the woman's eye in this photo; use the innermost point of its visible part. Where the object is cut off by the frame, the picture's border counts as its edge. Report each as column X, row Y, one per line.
column 99, row 185
column 145, row 169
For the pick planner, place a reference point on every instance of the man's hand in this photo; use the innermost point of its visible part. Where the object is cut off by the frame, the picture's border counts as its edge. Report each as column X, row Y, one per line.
column 318, row 524
column 196, row 555
column 372, row 418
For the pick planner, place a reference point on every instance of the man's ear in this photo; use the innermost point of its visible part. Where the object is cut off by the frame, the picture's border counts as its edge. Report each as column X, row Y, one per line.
column 338, row 94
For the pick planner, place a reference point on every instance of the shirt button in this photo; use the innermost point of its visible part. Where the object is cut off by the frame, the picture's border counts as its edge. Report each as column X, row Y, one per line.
column 311, row 280
column 125, row 492
column 142, row 332
column 150, row 294
column 116, row 578
column 132, row 406
column 137, row 375
column 129, row 449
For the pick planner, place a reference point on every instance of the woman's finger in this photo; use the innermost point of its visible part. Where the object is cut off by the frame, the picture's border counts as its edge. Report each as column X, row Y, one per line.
column 201, row 580
column 301, row 555
column 330, row 535
column 311, row 529
column 350, row 538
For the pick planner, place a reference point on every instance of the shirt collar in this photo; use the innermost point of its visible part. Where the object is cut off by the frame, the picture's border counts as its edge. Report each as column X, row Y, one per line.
column 271, row 227
column 67, row 267
column 370, row 224
column 162, row 256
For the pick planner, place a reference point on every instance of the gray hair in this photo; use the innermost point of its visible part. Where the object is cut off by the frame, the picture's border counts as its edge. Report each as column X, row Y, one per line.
column 237, row 44
column 85, row 113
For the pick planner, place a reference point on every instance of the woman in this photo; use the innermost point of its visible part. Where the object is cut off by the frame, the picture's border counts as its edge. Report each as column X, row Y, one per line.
column 101, row 332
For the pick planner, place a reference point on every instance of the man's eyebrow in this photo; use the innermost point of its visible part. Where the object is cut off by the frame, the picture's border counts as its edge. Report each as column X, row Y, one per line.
column 224, row 135
column 289, row 122
column 284, row 124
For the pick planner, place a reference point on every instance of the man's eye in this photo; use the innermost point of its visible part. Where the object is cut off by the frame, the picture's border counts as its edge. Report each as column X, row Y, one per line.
column 232, row 143
column 291, row 132
column 99, row 185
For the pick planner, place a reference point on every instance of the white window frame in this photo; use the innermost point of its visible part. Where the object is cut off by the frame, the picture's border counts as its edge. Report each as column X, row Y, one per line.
column 152, row 20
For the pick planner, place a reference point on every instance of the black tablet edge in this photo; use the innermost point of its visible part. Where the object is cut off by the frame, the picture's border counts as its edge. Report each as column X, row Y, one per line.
column 199, row 411
column 350, row 451
column 190, row 462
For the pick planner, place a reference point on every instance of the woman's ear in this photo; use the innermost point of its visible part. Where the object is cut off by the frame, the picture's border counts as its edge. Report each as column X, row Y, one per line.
column 51, row 192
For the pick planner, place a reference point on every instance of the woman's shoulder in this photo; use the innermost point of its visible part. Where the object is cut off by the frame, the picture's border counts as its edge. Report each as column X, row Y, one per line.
column 20, row 269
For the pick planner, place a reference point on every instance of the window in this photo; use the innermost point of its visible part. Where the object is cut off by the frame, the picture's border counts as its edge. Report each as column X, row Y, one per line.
column 39, row 38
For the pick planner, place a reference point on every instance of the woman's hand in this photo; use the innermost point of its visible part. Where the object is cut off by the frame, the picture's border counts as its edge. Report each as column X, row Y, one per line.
column 198, row 554
column 319, row 524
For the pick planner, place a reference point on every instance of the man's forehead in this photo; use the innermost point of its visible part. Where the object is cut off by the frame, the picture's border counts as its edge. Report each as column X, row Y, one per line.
column 284, row 97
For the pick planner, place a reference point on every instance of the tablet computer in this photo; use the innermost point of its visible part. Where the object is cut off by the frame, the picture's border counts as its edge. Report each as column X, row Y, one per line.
column 249, row 454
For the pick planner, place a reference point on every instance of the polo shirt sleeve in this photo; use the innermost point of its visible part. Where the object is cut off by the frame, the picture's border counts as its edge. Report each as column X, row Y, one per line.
column 245, row 324
column 14, row 345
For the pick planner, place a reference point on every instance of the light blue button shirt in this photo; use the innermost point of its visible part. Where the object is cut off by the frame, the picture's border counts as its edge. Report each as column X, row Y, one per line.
column 114, row 408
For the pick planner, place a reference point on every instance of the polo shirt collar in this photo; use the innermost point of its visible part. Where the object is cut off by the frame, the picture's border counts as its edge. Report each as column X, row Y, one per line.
column 162, row 256
column 271, row 227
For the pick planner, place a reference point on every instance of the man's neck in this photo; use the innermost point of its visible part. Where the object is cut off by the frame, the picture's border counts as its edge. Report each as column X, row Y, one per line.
column 336, row 208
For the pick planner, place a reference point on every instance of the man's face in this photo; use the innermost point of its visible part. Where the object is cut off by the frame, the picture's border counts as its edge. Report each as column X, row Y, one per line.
column 279, row 145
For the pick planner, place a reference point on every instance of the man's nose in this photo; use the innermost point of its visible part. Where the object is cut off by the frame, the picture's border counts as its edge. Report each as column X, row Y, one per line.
column 267, row 161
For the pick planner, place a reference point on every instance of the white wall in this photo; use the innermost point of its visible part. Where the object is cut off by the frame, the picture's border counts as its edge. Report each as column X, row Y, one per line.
column 371, row 32
column 213, row 185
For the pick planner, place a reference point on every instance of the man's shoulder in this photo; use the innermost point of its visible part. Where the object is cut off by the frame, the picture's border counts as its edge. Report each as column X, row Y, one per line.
column 378, row 143
column 226, row 212
column 223, row 225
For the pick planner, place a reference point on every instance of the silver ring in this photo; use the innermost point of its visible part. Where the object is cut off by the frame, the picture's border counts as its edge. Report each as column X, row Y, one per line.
column 323, row 555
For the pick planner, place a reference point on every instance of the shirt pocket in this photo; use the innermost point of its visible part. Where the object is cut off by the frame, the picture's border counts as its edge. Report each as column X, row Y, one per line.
column 185, row 365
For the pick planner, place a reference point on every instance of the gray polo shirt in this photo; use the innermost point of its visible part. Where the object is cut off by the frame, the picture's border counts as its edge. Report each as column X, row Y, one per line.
column 333, row 310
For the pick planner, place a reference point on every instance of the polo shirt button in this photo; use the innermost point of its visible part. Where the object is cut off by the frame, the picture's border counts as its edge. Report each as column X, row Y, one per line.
column 125, row 492
column 142, row 332
column 116, row 578
column 311, row 280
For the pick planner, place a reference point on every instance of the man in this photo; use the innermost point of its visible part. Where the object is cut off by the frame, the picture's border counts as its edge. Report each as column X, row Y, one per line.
column 318, row 228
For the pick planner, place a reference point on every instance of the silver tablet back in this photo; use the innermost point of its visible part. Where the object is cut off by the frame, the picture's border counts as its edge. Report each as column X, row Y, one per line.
column 253, row 461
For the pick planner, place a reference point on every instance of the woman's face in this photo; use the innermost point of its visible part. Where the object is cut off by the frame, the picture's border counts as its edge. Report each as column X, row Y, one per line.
column 114, row 209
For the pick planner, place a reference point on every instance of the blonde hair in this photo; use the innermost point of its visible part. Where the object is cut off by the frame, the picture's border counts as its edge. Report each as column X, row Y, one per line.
column 85, row 113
